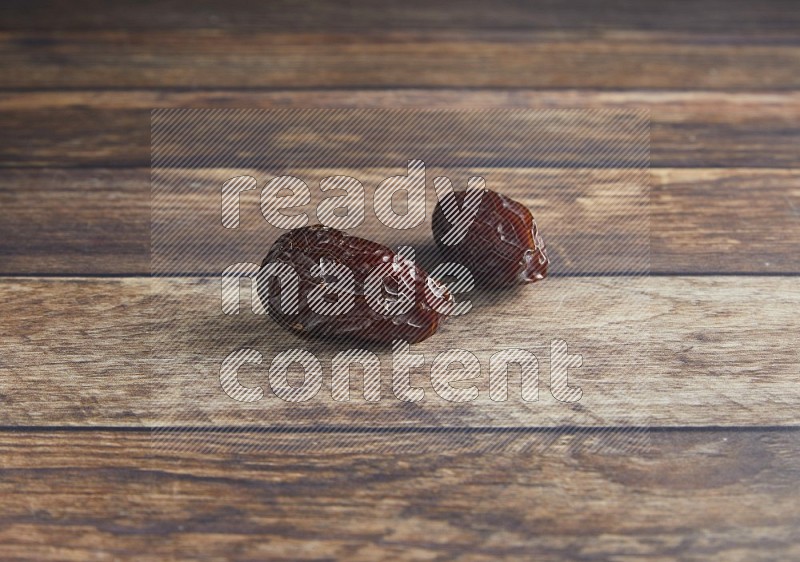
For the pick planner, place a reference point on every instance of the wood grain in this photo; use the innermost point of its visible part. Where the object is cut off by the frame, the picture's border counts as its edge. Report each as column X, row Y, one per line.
column 109, row 496
column 218, row 58
column 63, row 221
column 104, row 129
column 720, row 79
column 596, row 220
column 671, row 351
column 717, row 15
column 380, row 137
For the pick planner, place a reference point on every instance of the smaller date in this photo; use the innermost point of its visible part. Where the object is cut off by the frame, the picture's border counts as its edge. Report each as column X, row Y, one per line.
column 502, row 245
column 350, row 287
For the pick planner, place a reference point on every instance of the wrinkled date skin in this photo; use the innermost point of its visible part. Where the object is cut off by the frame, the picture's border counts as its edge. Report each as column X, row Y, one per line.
column 502, row 246
column 316, row 253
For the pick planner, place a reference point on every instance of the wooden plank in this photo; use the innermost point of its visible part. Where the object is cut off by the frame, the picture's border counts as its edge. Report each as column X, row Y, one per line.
column 75, row 220
column 65, row 221
column 214, row 58
column 596, row 219
column 698, row 129
column 371, row 138
column 102, row 495
column 717, row 15
column 720, row 217
column 664, row 352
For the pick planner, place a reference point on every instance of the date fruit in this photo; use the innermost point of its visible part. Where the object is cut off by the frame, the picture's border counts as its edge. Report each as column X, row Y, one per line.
column 349, row 287
column 502, row 245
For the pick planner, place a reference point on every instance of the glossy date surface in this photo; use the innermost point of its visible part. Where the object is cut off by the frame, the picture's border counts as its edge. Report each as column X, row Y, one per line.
column 502, row 246
column 352, row 288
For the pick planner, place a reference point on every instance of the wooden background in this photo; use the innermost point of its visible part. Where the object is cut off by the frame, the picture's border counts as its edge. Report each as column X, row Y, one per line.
column 78, row 477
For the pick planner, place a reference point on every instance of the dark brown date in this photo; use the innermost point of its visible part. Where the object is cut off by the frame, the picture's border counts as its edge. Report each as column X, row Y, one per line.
column 350, row 287
column 502, row 245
